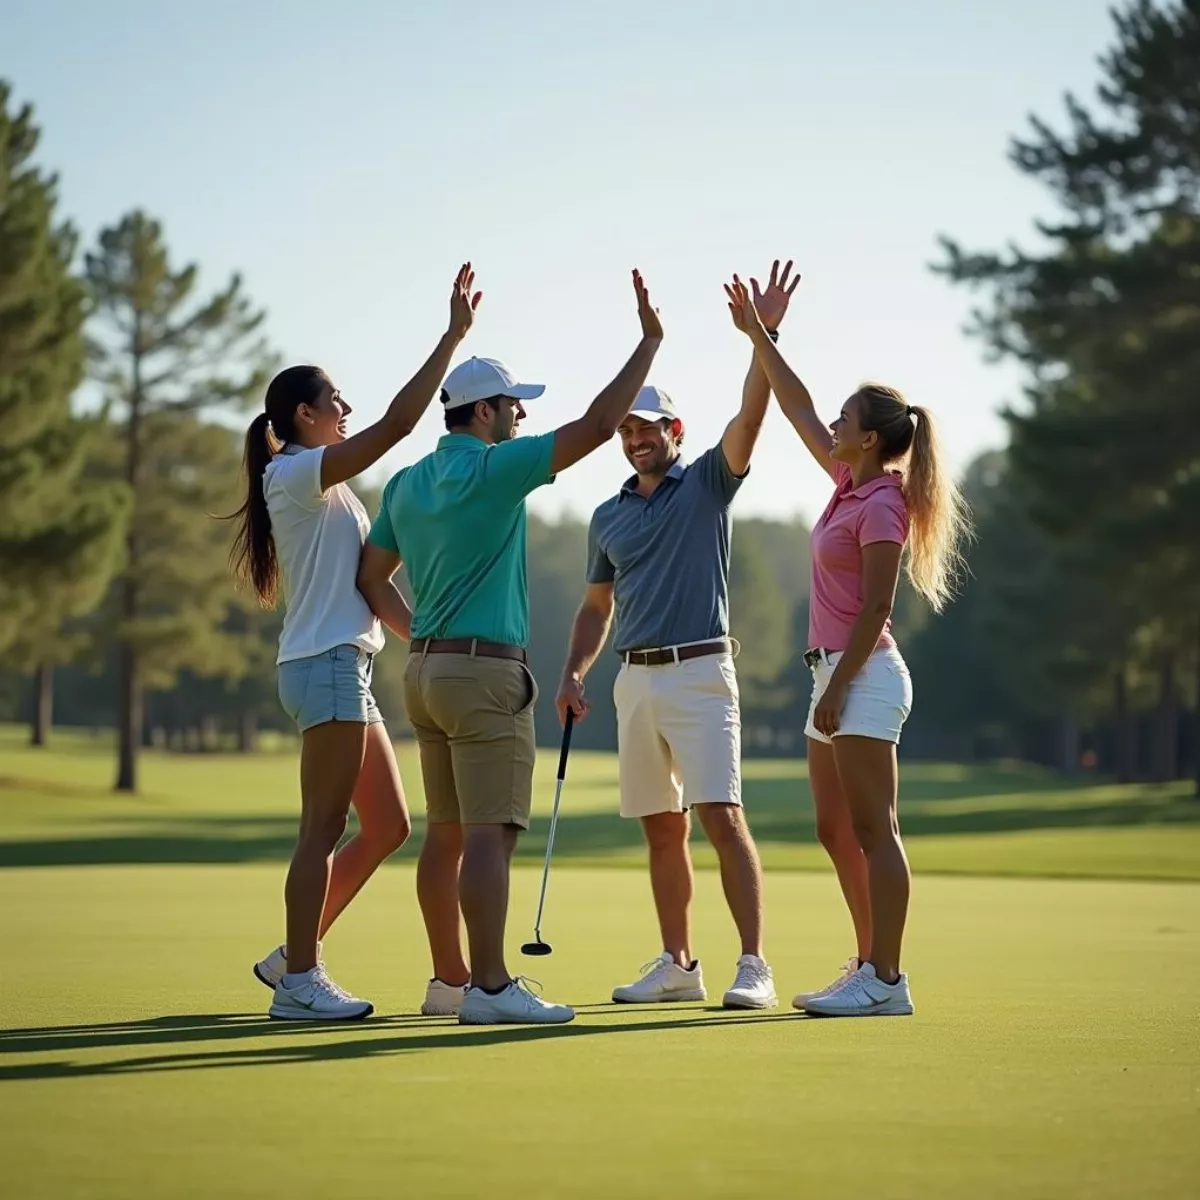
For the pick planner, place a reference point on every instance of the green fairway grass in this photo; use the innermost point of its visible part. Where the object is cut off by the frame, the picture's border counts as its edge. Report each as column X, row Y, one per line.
column 57, row 808
column 1054, row 1051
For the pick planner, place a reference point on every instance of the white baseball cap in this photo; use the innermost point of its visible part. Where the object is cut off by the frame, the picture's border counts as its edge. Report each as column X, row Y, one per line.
column 483, row 378
column 653, row 404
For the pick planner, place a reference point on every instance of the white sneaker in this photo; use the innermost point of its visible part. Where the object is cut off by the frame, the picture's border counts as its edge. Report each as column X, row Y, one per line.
column 753, row 986
column 315, row 997
column 848, row 969
column 516, row 1005
column 663, row 981
column 864, row 994
column 443, row 999
column 271, row 970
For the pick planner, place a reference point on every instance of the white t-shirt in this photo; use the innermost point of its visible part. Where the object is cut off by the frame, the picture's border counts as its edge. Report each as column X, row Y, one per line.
column 318, row 540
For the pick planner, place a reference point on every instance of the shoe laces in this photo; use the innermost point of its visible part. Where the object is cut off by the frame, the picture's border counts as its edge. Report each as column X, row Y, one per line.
column 656, row 966
column 321, row 982
column 751, row 973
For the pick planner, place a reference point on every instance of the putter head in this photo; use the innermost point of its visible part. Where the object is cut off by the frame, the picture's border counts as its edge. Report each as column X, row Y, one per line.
column 538, row 949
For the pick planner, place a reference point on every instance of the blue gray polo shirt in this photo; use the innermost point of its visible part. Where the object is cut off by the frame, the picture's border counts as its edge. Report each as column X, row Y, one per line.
column 667, row 555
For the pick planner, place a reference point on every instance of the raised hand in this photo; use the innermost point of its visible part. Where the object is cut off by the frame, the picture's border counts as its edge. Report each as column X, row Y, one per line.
column 647, row 314
column 462, row 303
column 772, row 304
column 741, row 307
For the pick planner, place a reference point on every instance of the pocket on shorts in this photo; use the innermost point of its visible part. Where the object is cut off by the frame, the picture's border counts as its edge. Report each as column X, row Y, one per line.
column 522, row 691
column 293, row 679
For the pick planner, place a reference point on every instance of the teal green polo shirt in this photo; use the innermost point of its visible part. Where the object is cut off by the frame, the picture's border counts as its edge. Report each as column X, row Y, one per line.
column 456, row 518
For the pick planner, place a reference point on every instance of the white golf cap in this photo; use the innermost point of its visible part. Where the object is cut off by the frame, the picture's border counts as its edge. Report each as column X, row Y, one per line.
column 483, row 378
column 653, row 404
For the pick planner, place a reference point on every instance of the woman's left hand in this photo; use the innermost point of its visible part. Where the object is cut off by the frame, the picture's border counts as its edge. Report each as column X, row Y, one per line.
column 827, row 715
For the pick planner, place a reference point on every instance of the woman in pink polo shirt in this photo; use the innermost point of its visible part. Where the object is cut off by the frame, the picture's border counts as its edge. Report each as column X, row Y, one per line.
column 891, row 492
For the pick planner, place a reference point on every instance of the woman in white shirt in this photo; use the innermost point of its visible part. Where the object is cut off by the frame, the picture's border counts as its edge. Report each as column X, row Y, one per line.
column 301, row 531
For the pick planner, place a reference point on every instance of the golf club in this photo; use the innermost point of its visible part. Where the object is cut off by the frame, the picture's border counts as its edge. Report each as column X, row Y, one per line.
column 537, row 947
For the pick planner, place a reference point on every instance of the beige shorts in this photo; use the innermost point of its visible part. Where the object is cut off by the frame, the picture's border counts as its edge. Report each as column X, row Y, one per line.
column 679, row 735
column 473, row 718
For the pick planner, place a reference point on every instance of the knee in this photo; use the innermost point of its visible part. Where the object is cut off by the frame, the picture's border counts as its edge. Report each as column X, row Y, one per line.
column 875, row 833
column 391, row 834
column 836, row 834
column 323, row 831
column 724, row 824
column 666, row 831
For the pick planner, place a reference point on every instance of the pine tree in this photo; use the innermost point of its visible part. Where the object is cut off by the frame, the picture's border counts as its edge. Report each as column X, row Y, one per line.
column 1107, row 321
column 164, row 357
column 61, row 534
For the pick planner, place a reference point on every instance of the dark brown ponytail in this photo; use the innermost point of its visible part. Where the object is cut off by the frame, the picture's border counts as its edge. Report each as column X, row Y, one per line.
column 252, row 557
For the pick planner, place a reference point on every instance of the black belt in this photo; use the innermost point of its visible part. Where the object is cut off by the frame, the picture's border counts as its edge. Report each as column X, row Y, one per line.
column 660, row 657
column 472, row 646
column 814, row 656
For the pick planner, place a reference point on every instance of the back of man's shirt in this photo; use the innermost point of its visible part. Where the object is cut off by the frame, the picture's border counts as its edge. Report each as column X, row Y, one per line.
column 456, row 518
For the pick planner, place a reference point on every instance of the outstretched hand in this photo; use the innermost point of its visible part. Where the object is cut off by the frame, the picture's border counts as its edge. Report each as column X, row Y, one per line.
column 647, row 314
column 462, row 303
column 741, row 307
column 772, row 304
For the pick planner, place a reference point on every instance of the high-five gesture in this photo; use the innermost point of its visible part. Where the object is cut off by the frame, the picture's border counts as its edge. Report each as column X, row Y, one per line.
column 741, row 307
column 647, row 314
column 462, row 303
column 772, row 304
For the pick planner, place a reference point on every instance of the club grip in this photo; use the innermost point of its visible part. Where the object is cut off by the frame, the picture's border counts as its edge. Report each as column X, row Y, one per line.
column 566, row 743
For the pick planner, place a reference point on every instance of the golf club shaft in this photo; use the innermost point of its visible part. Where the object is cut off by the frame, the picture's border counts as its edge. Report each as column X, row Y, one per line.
column 562, row 774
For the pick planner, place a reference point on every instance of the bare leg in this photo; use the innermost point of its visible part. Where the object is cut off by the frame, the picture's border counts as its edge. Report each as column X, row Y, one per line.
column 437, row 893
column 483, row 893
column 868, row 771
column 331, row 757
column 741, row 872
column 671, row 881
column 383, row 820
column 835, row 831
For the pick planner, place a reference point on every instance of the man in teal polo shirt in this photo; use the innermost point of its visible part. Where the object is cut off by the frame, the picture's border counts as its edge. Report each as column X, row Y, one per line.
column 456, row 518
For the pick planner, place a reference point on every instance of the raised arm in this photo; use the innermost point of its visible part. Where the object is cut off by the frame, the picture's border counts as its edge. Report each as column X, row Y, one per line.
column 345, row 460
column 741, row 433
column 579, row 438
column 793, row 396
column 588, row 636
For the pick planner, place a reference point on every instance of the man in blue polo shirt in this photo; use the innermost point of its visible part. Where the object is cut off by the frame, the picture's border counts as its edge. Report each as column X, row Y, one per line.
column 658, row 558
column 456, row 518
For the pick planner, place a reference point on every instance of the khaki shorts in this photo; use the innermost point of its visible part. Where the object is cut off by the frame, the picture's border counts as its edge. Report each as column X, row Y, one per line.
column 473, row 717
column 679, row 735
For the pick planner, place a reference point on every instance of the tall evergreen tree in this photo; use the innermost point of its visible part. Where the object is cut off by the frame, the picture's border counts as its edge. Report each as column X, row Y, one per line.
column 1107, row 320
column 61, row 532
column 163, row 357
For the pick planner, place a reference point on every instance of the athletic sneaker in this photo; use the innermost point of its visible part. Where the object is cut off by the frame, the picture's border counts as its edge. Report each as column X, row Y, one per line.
column 516, row 1005
column 443, row 999
column 271, row 970
column 848, row 969
column 663, row 981
column 864, row 994
column 753, row 986
column 313, row 996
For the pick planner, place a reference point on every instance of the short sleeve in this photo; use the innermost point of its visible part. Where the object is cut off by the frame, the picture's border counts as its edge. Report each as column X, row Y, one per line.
column 517, row 467
column 298, row 477
column 884, row 519
column 383, row 529
column 599, row 566
column 717, row 475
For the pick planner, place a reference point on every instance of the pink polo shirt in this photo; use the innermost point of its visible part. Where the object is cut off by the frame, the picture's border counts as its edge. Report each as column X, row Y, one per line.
column 855, row 517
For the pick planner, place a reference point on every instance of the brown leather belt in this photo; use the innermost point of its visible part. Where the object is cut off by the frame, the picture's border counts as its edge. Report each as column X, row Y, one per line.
column 467, row 646
column 660, row 657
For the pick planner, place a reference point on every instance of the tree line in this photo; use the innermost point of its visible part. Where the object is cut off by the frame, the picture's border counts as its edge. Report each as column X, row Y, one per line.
column 1076, row 642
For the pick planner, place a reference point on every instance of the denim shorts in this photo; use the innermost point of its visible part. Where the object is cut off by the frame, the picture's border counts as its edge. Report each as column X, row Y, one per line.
column 332, row 686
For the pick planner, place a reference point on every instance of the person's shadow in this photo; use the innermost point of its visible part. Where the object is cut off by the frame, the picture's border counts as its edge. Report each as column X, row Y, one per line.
column 295, row 1043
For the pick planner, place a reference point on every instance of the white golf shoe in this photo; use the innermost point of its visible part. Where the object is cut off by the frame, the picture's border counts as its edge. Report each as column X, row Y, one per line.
column 443, row 999
column 848, row 969
column 313, row 996
column 864, row 994
column 515, row 1005
column 270, row 970
column 663, row 981
column 753, row 986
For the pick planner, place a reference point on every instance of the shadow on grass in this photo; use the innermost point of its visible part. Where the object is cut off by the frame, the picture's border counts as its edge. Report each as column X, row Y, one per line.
column 414, row 1033
column 779, row 810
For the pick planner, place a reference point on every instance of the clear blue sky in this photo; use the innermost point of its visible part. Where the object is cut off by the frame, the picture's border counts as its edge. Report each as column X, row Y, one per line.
column 346, row 157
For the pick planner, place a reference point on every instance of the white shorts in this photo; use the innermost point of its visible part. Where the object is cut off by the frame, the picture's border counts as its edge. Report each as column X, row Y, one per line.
column 878, row 699
column 679, row 735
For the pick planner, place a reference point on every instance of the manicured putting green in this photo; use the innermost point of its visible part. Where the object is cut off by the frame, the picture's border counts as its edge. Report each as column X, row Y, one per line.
column 1054, row 1051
